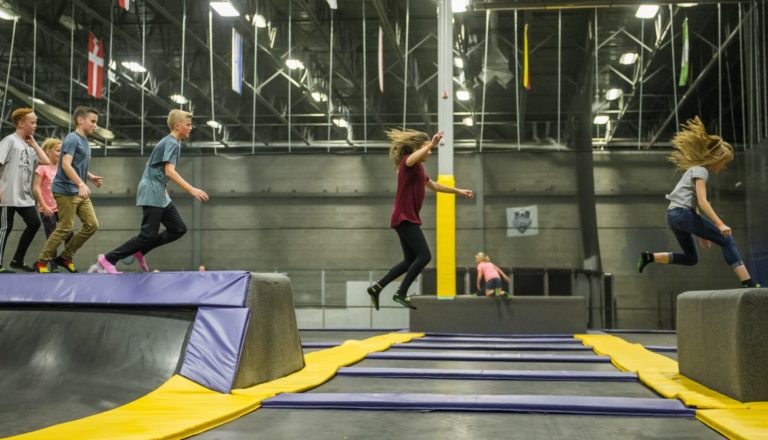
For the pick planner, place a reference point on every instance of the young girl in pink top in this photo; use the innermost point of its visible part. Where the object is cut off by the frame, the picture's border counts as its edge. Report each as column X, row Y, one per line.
column 491, row 273
column 44, row 174
column 408, row 150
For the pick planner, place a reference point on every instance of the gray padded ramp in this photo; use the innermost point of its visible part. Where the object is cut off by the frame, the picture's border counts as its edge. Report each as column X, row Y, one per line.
column 721, row 341
column 483, row 315
column 63, row 364
column 272, row 346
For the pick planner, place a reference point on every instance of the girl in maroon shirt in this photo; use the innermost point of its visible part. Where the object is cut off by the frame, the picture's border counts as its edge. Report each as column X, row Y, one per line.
column 408, row 150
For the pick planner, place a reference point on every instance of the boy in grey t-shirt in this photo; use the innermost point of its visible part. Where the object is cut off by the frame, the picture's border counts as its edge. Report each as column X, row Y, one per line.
column 19, row 155
column 154, row 200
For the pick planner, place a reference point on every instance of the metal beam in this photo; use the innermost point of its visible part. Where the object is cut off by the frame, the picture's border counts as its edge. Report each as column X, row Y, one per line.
column 699, row 79
column 509, row 5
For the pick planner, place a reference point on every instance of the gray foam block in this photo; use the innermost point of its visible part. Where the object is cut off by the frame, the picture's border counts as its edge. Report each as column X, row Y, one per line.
column 272, row 346
column 722, row 340
column 496, row 315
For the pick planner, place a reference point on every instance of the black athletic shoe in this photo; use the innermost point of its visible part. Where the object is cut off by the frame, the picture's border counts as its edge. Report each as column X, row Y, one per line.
column 20, row 266
column 749, row 283
column 4, row 270
column 645, row 259
column 374, row 292
column 403, row 301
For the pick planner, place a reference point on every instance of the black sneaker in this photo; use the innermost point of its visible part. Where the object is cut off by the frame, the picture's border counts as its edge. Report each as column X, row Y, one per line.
column 20, row 266
column 4, row 270
column 66, row 264
column 403, row 301
column 374, row 292
column 645, row 259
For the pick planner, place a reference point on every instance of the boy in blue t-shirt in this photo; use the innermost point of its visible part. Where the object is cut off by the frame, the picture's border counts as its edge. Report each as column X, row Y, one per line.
column 153, row 198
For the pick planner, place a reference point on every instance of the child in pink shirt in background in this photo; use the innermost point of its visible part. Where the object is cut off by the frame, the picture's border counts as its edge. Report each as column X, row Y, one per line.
column 44, row 174
column 492, row 275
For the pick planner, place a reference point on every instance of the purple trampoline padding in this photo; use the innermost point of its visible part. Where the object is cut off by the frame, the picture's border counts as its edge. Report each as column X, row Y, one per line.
column 214, row 347
column 468, row 346
column 219, row 289
column 489, row 357
column 504, row 340
column 613, row 406
column 543, row 375
column 649, row 331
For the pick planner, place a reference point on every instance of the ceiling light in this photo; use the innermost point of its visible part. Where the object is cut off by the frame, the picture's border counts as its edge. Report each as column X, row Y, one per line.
column 225, row 9
column 458, row 62
column 319, row 96
column 628, row 58
column 468, row 121
column 259, row 21
column 179, row 99
column 7, row 14
column 341, row 122
column 133, row 66
column 293, row 63
column 601, row 119
column 647, row 11
column 213, row 124
column 687, row 5
column 463, row 95
column 69, row 23
column 613, row 94
column 38, row 101
column 459, row 5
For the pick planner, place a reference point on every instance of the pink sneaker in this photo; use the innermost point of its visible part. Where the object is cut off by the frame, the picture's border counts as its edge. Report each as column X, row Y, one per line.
column 139, row 257
column 106, row 265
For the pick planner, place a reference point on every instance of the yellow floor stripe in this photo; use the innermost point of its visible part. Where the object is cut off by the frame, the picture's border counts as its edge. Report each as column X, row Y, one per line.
column 180, row 408
column 733, row 419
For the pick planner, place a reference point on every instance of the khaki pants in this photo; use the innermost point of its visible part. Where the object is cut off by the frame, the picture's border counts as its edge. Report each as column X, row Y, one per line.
column 69, row 207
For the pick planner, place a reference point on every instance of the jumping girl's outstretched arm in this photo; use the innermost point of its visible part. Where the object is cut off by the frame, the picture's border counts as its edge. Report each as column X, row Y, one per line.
column 434, row 186
column 421, row 153
column 706, row 208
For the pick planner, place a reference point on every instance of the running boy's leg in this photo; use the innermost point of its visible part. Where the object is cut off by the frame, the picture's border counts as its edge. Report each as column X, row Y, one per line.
column 32, row 220
column 67, row 211
column 6, row 225
column 150, row 226
column 174, row 229
column 90, row 224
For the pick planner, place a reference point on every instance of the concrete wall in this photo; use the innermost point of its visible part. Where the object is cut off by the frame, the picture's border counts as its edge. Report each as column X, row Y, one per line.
column 305, row 213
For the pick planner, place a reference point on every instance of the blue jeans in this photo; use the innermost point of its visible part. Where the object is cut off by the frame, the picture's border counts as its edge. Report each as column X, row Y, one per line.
column 685, row 223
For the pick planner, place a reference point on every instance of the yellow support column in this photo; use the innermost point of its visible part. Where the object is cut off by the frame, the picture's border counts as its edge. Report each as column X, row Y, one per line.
column 446, row 240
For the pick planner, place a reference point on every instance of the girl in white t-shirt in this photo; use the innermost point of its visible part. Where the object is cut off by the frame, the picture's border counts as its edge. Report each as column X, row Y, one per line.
column 697, row 154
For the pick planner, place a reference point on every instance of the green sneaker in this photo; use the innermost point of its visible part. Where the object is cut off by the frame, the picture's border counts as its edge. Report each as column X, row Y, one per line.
column 403, row 301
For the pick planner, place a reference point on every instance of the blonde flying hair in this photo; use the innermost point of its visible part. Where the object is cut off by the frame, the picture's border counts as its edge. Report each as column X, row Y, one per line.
column 50, row 144
column 404, row 142
column 176, row 116
column 694, row 147
column 483, row 256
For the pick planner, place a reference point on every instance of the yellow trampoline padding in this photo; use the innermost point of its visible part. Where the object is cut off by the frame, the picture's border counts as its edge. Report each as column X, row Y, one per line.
column 737, row 424
column 180, row 408
column 659, row 372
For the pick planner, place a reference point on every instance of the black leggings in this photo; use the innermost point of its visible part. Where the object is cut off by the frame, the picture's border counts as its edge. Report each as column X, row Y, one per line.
column 415, row 256
column 150, row 236
column 29, row 215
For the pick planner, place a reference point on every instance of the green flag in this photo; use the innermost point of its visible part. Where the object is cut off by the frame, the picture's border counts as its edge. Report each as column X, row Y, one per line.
column 685, row 72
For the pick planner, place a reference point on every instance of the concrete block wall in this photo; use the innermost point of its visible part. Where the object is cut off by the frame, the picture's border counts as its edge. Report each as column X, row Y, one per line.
column 305, row 213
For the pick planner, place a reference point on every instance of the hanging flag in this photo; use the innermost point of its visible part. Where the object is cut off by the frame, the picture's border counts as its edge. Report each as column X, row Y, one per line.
column 526, row 77
column 125, row 4
column 333, row 4
column 381, row 60
column 237, row 62
column 95, row 65
column 685, row 72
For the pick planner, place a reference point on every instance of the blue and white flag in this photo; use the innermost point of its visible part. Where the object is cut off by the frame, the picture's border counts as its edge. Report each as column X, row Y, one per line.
column 237, row 62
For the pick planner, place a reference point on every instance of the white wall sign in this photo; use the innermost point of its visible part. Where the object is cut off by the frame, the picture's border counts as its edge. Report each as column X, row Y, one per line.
column 523, row 221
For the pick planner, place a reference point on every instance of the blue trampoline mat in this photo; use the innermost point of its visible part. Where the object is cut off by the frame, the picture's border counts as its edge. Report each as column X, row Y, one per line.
column 467, row 346
column 533, row 375
column 497, row 339
column 497, row 357
column 621, row 406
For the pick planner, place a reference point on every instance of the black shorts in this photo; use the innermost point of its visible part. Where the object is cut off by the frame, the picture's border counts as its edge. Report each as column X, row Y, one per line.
column 494, row 283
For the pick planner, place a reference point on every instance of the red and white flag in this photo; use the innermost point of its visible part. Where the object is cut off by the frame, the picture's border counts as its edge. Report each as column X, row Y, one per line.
column 95, row 65
column 125, row 4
